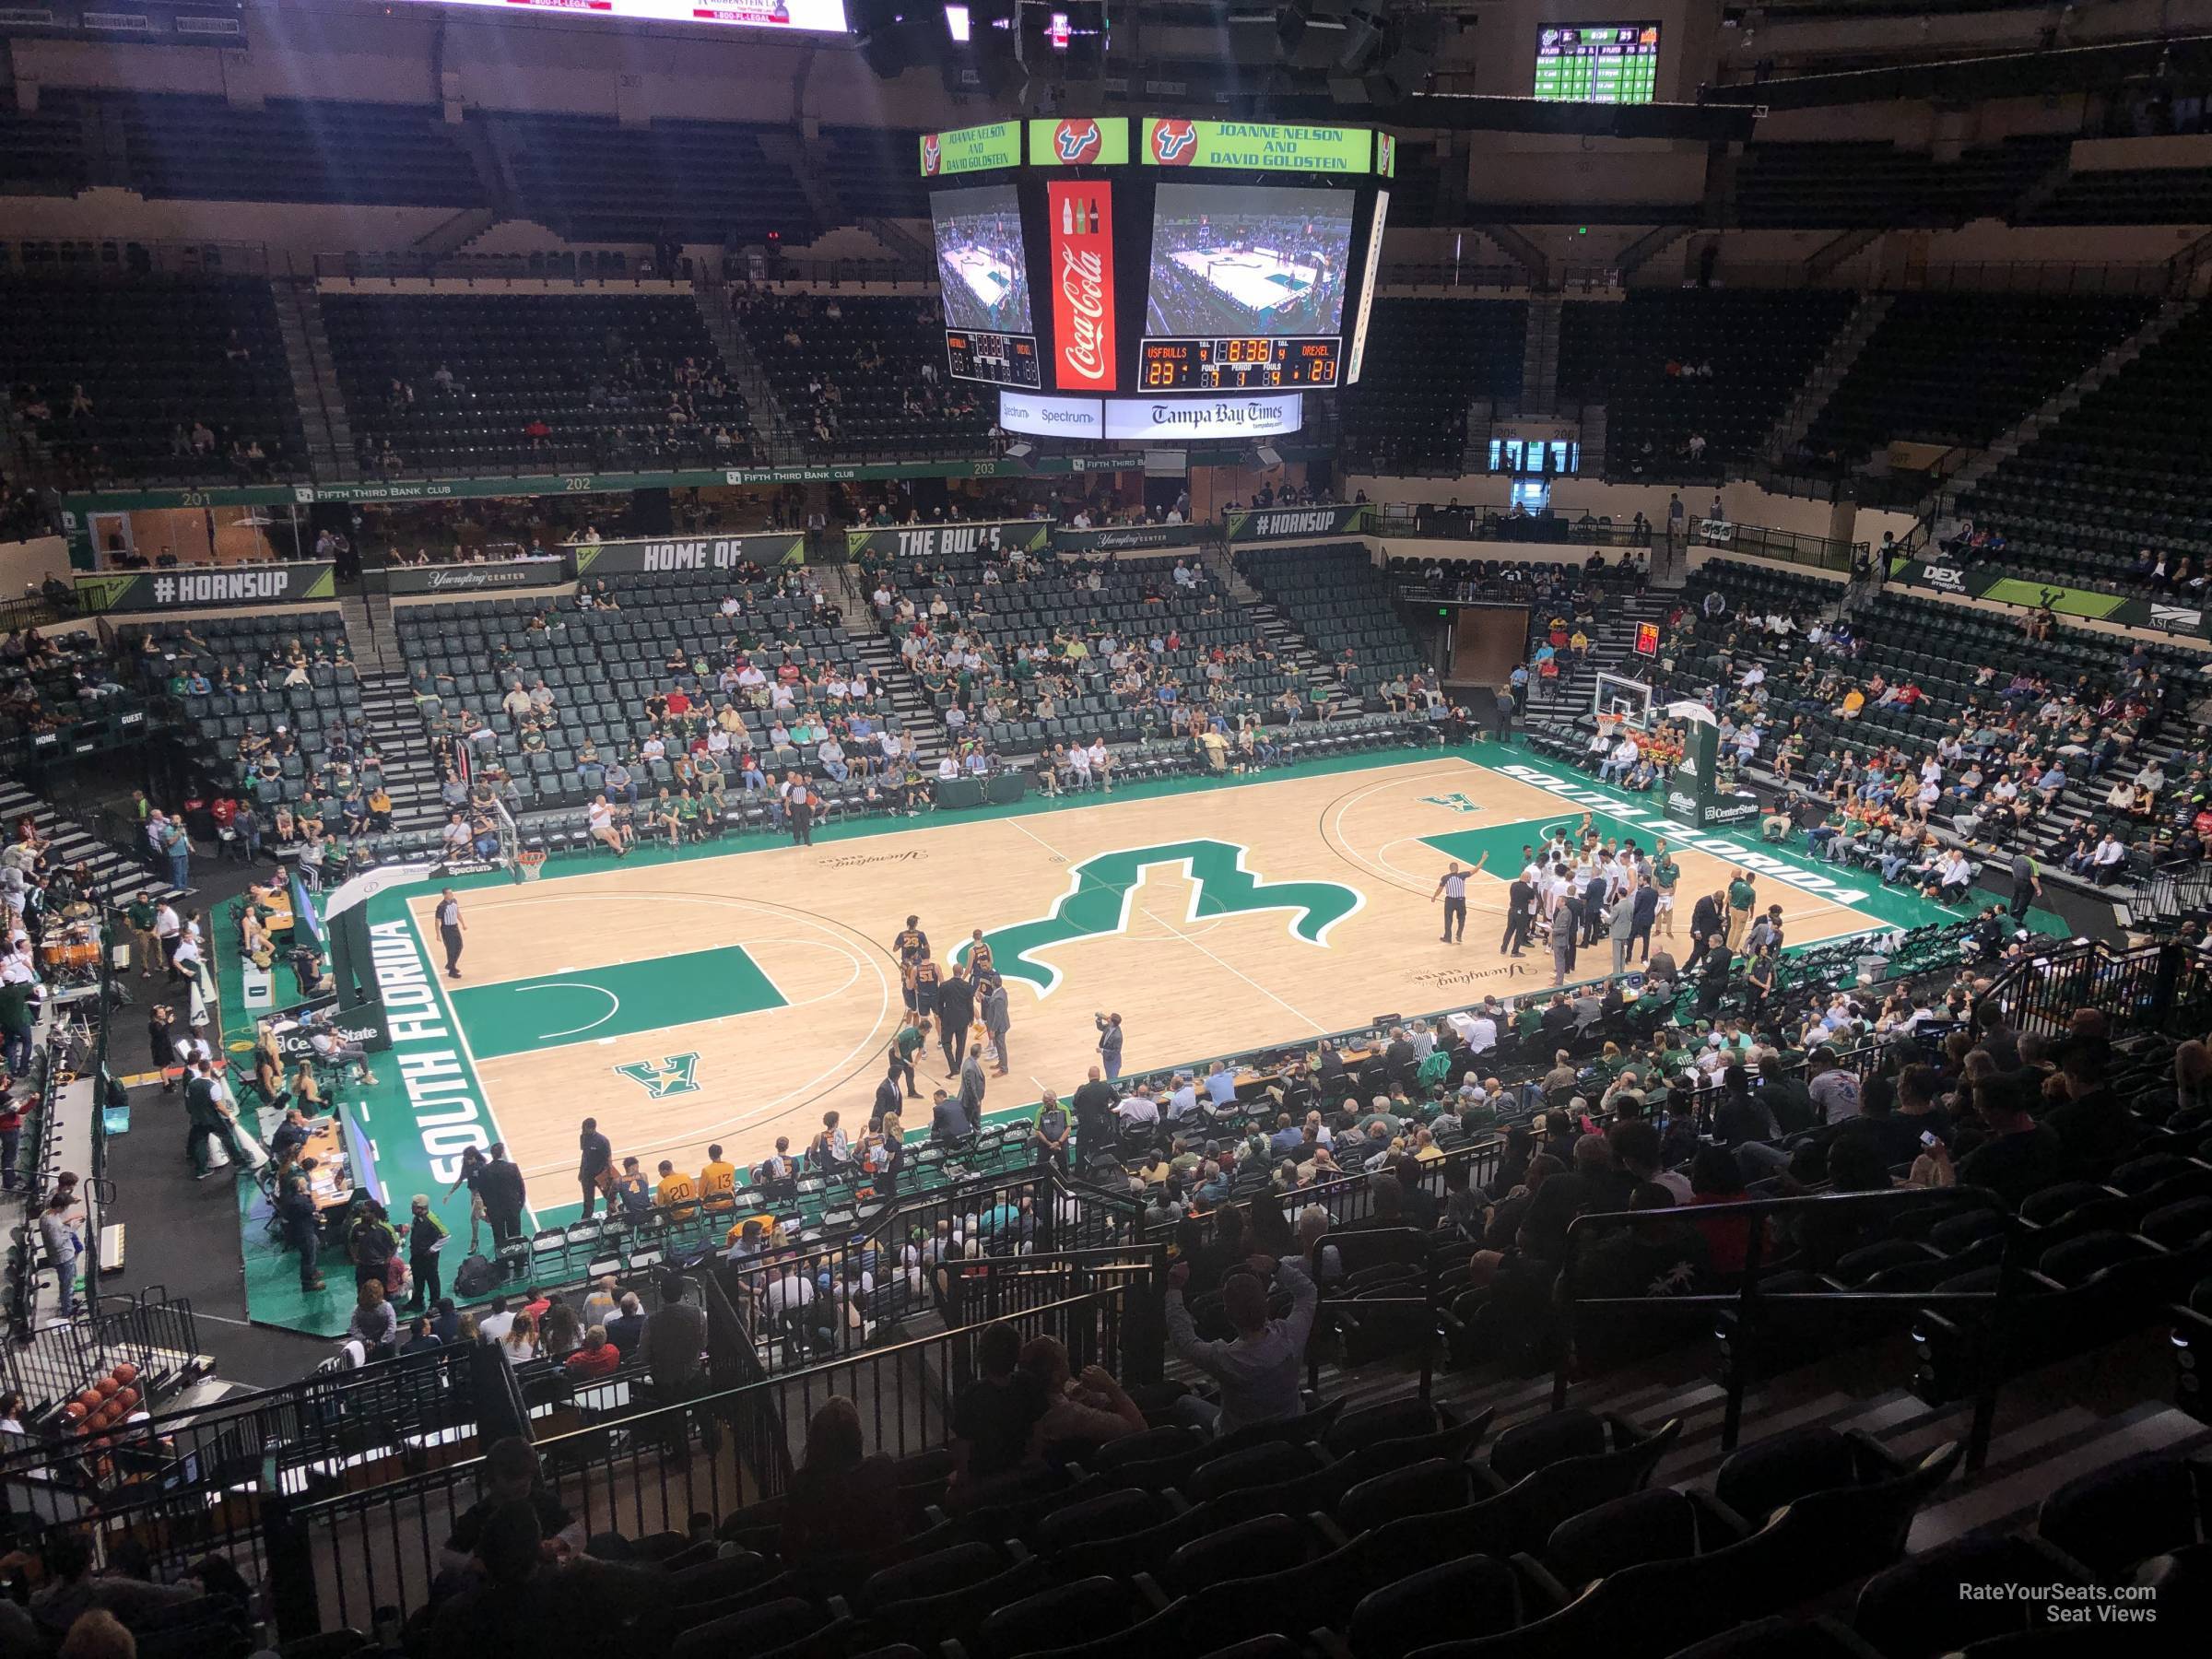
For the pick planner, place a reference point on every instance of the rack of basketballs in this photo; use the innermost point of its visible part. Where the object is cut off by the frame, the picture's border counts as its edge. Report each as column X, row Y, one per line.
column 102, row 1408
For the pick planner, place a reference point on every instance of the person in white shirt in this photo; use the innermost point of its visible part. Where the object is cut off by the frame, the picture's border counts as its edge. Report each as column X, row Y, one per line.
column 1183, row 1097
column 599, row 818
column 1620, row 760
column 1954, row 877
column 1138, row 1108
column 2108, row 858
column 793, row 1291
column 1101, row 764
column 493, row 1326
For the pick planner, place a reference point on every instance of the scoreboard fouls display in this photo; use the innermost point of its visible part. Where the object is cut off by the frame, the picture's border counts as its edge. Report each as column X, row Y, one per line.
column 1213, row 258
column 1238, row 365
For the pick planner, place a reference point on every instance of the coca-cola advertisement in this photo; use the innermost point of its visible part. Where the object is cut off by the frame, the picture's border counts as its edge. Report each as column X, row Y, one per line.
column 1082, row 216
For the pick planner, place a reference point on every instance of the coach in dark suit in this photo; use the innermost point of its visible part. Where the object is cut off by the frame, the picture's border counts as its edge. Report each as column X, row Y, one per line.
column 1520, row 912
column 956, row 1013
column 1713, row 986
column 1646, row 912
column 1708, row 922
column 499, row 1183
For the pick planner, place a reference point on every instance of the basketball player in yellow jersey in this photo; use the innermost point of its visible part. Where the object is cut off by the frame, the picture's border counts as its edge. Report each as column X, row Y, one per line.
column 910, row 945
column 719, row 1178
column 676, row 1194
column 928, row 976
column 979, row 955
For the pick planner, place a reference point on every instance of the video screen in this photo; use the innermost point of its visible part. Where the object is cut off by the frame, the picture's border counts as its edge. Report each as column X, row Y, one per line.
column 805, row 17
column 1230, row 260
column 980, row 262
column 1598, row 63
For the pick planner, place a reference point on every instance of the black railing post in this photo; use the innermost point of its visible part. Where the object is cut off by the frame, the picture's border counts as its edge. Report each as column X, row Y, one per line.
column 293, row 1597
column 2166, row 978
column 1747, row 1314
column 1565, row 1356
column 1996, row 1365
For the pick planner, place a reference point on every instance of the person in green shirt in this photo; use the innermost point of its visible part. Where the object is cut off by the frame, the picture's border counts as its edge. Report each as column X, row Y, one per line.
column 906, row 1042
column 1742, row 896
column 1665, row 873
column 15, row 1026
column 687, row 817
column 140, row 915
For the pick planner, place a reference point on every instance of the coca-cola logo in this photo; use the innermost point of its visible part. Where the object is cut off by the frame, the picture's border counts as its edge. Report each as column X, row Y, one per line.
column 1083, row 290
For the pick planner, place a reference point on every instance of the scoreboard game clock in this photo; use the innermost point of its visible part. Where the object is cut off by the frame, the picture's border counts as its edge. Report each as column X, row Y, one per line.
column 1236, row 365
column 998, row 359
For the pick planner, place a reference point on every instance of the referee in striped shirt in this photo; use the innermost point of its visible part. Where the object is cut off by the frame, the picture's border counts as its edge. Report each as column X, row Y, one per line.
column 1451, row 887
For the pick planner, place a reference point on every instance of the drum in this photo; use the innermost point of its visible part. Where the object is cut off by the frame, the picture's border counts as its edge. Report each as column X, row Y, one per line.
column 71, row 953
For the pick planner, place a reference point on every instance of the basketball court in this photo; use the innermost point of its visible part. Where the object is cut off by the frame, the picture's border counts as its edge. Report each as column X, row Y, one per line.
column 988, row 277
column 1256, row 279
column 734, row 995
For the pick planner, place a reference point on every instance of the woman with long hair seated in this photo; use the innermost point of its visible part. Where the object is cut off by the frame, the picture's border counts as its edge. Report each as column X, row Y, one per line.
column 842, row 1500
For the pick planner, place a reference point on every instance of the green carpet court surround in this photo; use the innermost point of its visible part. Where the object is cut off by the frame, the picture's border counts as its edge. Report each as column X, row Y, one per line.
column 427, row 1100
column 588, row 1005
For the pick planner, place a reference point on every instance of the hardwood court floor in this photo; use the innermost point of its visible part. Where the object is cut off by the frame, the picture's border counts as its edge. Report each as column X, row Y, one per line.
column 737, row 997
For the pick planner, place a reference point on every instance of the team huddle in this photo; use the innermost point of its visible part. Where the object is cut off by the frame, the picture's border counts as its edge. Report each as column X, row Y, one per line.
column 1577, row 889
column 968, row 1006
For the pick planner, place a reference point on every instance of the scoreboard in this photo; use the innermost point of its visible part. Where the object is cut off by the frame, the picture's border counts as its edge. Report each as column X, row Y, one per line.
column 998, row 359
column 1598, row 62
column 1197, row 288
column 1236, row 365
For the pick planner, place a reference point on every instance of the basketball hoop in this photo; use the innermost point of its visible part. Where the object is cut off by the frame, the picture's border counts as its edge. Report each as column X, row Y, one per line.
column 528, row 863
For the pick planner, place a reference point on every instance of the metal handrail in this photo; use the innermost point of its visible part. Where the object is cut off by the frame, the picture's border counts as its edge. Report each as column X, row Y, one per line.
column 1749, row 1297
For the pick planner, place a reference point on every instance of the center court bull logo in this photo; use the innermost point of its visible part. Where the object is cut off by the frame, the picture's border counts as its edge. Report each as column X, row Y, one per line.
column 1076, row 142
column 1099, row 897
